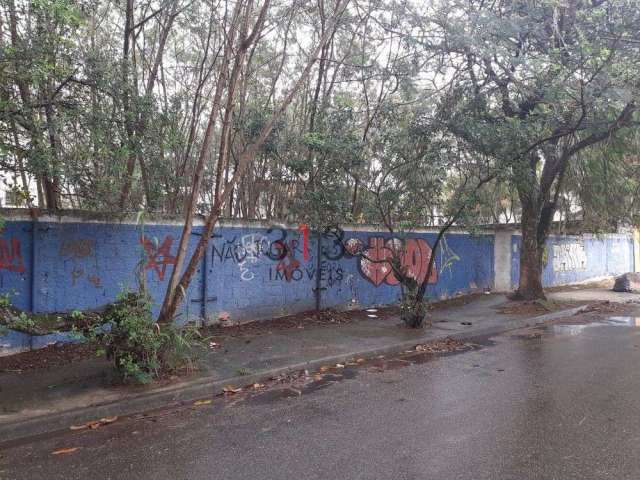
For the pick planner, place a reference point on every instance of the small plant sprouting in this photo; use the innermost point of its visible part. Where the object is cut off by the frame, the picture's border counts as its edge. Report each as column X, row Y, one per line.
column 22, row 322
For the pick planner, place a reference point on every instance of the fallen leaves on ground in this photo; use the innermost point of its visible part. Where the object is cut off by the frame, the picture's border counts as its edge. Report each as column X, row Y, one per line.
column 230, row 390
column 64, row 451
column 93, row 424
column 295, row 382
column 605, row 307
column 442, row 346
column 198, row 403
column 532, row 307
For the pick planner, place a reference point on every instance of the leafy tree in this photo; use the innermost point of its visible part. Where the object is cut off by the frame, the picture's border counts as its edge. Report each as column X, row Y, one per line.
column 536, row 84
column 242, row 33
column 602, row 186
column 38, row 64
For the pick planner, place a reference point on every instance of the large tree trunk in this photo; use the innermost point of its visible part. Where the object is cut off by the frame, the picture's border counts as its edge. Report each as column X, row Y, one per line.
column 539, row 206
column 531, row 255
column 539, row 201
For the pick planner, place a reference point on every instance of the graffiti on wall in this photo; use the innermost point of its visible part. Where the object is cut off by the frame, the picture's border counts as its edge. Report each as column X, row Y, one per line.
column 77, row 247
column 569, row 257
column 158, row 255
column 288, row 264
column 77, row 250
column 414, row 256
column 245, row 252
column 251, row 247
column 236, row 251
column 414, row 253
column 331, row 273
column 289, row 253
column 11, row 255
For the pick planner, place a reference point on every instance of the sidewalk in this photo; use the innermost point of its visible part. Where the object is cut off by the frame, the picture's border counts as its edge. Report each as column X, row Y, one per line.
column 41, row 401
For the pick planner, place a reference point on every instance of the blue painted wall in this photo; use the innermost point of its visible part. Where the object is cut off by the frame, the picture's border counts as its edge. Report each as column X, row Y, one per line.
column 255, row 272
column 247, row 274
column 62, row 265
column 573, row 259
column 16, row 263
column 14, row 341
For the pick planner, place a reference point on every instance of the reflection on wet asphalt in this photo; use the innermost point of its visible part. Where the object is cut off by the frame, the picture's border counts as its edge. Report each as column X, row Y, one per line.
column 554, row 402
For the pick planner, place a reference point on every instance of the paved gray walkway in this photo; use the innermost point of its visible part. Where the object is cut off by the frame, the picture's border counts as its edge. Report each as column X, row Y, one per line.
column 582, row 294
column 557, row 402
column 279, row 348
column 83, row 391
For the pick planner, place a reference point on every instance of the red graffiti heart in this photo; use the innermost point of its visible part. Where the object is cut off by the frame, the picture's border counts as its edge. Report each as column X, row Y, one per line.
column 372, row 266
column 414, row 256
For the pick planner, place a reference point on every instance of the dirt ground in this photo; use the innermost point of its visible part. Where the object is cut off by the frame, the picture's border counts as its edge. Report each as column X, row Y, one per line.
column 327, row 317
column 49, row 357
column 534, row 307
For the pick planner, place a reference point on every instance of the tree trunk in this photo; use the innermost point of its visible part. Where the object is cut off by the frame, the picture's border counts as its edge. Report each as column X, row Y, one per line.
column 534, row 235
column 179, row 282
column 172, row 299
column 50, row 193
column 126, row 108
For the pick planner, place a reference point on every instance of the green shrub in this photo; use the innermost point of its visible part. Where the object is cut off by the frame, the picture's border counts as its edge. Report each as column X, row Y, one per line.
column 22, row 322
column 5, row 300
column 142, row 350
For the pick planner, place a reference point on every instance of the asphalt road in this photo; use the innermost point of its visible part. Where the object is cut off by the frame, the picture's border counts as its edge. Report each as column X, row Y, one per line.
column 560, row 403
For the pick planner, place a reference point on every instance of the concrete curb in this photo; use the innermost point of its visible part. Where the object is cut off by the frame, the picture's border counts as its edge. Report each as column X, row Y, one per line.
column 17, row 432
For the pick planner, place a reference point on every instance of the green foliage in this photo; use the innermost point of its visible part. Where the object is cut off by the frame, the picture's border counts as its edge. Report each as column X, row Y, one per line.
column 393, row 138
column 140, row 349
column 22, row 322
column 5, row 300
column 603, row 185
column 15, row 319
column 76, row 334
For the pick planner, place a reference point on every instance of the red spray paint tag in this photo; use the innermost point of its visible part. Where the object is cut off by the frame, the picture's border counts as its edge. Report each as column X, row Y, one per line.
column 304, row 228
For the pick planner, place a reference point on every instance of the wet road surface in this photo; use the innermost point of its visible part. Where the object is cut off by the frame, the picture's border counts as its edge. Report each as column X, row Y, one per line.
column 559, row 402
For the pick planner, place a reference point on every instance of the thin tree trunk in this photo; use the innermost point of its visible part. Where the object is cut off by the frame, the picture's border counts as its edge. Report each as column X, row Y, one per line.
column 180, row 282
column 126, row 106
column 169, row 308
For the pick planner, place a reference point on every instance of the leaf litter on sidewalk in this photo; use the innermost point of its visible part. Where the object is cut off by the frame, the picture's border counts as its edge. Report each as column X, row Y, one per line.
column 93, row 424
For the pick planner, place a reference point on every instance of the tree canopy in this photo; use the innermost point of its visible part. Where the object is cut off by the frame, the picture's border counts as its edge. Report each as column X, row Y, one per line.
column 330, row 111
